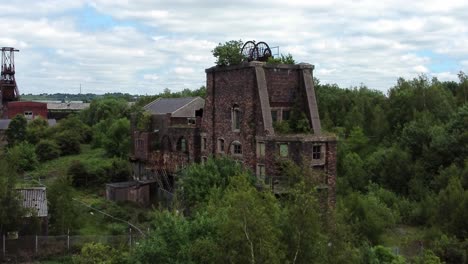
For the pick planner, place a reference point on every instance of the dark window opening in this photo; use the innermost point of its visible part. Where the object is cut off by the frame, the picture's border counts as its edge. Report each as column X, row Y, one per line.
column 235, row 118
column 286, row 115
column 316, row 152
column 274, row 115
column 221, row 145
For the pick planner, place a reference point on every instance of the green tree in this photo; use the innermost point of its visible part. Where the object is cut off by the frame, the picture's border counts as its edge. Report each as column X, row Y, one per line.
column 301, row 226
column 16, row 131
column 62, row 209
column 23, row 156
column 117, row 141
column 11, row 209
column 197, row 180
column 169, row 240
column 47, row 150
column 68, row 142
column 247, row 222
column 229, row 53
column 36, row 130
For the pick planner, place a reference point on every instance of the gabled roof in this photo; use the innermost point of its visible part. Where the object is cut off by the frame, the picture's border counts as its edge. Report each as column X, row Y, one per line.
column 34, row 198
column 173, row 105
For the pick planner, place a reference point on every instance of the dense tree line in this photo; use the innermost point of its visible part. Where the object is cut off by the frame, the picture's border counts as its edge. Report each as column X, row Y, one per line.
column 402, row 161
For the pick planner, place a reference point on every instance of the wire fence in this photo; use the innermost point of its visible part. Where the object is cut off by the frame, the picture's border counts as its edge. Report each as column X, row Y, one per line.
column 28, row 248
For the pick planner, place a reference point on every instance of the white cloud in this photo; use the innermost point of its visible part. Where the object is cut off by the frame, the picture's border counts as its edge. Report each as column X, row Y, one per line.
column 151, row 45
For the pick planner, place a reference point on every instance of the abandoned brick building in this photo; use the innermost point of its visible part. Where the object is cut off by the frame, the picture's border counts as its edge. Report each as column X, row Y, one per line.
column 243, row 105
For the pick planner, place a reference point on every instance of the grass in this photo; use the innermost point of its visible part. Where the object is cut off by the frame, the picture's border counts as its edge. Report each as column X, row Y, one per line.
column 58, row 167
column 90, row 222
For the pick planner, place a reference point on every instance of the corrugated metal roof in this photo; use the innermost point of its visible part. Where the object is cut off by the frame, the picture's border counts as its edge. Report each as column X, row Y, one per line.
column 34, row 198
column 67, row 106
column 168, row 105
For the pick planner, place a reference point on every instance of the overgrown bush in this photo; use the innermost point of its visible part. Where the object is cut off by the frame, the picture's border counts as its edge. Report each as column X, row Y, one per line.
column 68, row 142
column 23, row 157
column 47, row 150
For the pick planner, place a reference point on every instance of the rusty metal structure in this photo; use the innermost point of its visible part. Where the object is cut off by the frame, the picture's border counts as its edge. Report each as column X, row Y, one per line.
column 256, row 51
column 8, row 87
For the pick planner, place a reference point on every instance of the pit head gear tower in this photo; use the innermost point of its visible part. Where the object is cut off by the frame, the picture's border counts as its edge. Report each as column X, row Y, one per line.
column 8, row 88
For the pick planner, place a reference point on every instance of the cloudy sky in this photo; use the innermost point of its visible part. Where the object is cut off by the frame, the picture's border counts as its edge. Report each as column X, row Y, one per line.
column 144, row 46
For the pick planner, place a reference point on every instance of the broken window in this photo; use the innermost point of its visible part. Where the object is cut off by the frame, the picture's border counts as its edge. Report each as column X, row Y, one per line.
column 220, row 145
column 182, row 145
column 203, row 143
column 28, row 114
column 261, row 149
column 283, row 149
column 316, row 152
column 261, row 171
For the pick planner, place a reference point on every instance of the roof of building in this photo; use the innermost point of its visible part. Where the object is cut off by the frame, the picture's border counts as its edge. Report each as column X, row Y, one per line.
column 34, row 198
column 128, row 184
column 72, row 106
column 4, row 123
column 174, row 105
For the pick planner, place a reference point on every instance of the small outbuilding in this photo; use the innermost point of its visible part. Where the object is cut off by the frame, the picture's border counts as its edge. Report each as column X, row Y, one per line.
column 34, row 200
column 135, row 191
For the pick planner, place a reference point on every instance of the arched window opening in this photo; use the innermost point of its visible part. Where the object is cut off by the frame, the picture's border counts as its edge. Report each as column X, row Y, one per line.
column 235, row 117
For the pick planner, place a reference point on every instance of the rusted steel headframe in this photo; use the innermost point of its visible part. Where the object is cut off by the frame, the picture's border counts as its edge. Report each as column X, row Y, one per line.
column 8, row 87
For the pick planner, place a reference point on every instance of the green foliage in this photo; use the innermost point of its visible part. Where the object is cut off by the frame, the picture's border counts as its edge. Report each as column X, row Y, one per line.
column 197, row 179
column 16, row 131
column 144, row 121
column 62, row 209
column 382, row 255
column 73, row 124
column 23, row 156
column 282, row 127
column 452, row 209
column 283, row 59
column 11, row 211
column 106, row 108
column 229, row 53
column 302, row 227
column 367, row 215
column 117, row 140
column 427, row 257
column 98, row 253
column 96, row 172
column 47, row 150
column 79, row 175
column 68, row 142
column 36, row 130
column 168, row 242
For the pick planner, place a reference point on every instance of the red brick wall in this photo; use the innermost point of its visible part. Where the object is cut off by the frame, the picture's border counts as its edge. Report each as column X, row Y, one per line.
column 18, row 108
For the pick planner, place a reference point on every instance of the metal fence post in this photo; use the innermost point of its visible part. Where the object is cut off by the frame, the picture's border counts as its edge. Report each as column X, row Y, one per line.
column 68, row 240
column 130, row 237
column 4, row 251
column 36, row 245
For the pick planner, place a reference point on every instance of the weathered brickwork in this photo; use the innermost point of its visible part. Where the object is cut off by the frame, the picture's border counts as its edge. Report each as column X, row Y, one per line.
column 241, row 105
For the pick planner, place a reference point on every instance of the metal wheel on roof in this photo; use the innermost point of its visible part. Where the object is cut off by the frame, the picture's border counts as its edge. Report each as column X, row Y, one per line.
column 248, row 50
column 264, row 51
column 256, row 52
